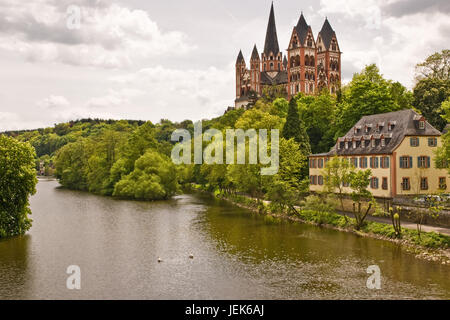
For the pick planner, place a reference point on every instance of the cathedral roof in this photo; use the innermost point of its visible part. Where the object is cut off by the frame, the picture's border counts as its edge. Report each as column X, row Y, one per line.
column 327, row 33
column 280, row 78
column 302, row 29
column 240, row 58
column 255, row 54
column 271, row 44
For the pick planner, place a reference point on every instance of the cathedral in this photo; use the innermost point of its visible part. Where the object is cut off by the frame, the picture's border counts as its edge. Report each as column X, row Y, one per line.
column 309, row 66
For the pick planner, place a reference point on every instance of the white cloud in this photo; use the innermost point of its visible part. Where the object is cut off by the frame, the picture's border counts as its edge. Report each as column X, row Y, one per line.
column 369, row 34
column 53, row 102
column 184, row 94
column 109, row 35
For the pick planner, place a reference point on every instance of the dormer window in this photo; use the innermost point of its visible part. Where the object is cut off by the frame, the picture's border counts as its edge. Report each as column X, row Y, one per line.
column 372, row 142
column 422, row 124
column 363, row 143
column 391, row 125
column 346, row 145
column 354, row 144
column 383, row 142
column 368, row 127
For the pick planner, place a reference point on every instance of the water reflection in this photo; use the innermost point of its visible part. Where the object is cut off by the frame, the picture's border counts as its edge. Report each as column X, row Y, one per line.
column 236, row 254
column 15, row 267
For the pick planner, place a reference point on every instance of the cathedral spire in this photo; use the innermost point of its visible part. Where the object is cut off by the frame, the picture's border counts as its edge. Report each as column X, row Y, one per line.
column 327, row 33
column 302, row 29
column 240, row 58
column 255, row 54
column 271, row 43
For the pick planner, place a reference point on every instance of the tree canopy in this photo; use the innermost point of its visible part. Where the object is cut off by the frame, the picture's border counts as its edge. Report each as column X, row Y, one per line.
column 17, row 183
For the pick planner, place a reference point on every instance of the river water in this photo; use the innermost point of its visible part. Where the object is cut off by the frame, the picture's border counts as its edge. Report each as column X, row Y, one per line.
column 237, row 255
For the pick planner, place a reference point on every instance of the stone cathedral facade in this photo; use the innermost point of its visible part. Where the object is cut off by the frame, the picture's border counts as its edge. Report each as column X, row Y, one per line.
column 310, row 64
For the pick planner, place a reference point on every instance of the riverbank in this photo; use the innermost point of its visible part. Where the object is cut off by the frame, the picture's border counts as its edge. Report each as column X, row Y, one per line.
column 431, row 247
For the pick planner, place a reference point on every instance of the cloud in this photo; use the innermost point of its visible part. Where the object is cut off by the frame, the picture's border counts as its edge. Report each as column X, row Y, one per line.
column 53, row 102
column 409, row 7
column 109, row 35
column 114, row 98
column 395, row 43
column 184, row 94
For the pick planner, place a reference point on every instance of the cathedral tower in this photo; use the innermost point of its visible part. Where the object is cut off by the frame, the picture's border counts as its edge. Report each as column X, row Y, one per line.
column 255, row 71
column 302, row 58
column 271, row 57
column 328, row 59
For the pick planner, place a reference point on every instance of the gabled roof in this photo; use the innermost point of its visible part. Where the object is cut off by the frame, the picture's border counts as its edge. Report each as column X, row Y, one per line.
column 302, row 29
column 280, row 78
column 240, row 58
column 255, row 54
column 271, row 43
column 406, row 124
column 327, row 34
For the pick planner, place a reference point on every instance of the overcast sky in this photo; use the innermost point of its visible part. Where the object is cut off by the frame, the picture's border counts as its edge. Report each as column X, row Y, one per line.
column 152, row 59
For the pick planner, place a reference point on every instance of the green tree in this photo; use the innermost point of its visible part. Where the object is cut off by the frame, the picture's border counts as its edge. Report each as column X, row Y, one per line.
column 318, row 113
column 429, row 94
column 436, row 66
column 17, row 182
column 369, row 93
column 359, row 182
column 287, row 186
column 153, row 178
column 337, row 174
column 295, row 128
column 443, row 153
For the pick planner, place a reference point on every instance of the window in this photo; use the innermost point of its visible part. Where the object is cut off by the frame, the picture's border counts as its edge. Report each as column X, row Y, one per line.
column 345, row 184
column 384, row 162
column 313, row 180
column 374, row 183
column 423, row 162
column 423, row 183
column 355, row 162
column 432, row 142
column 383, row 142
column 363, row 162
column 313, row 163
column 421, row 124
column 405, row 162
column 363, row 143
column 372, row 143
column 320, row 180
column 374, row 162
column 442, row 183
column 384, row 184
column 354, row 144
column 320, row 163
column 414, row 141
column 346, row 145
column 405, row 184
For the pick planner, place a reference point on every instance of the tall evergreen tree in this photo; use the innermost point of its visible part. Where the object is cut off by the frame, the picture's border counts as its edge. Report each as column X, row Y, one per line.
column 294, row 128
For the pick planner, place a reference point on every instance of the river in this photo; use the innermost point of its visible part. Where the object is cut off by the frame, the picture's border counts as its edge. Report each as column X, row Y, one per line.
column 236, row 254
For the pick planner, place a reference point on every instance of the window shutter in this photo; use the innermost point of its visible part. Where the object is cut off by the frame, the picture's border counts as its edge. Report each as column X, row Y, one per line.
column 418, row 162
column 410, row 162
column 428, row 162
column 387, row 162
column 376, row 162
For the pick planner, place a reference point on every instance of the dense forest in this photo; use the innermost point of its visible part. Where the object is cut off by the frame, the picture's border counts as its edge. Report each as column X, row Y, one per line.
column 131, row 159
